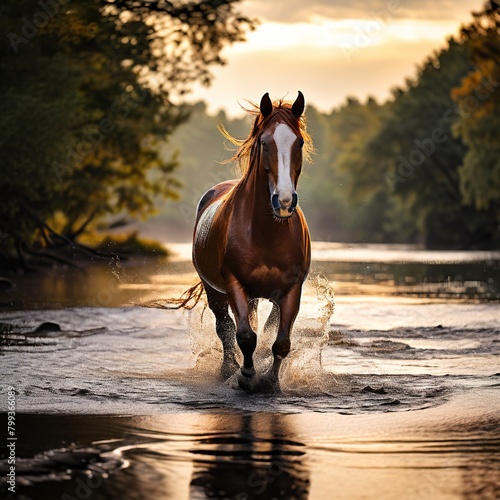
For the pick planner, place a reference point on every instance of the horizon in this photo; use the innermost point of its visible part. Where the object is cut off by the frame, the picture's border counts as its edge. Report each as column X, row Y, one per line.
column 341, row 49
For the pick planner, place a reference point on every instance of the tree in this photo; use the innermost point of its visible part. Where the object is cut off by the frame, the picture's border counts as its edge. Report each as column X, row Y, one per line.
column 363, row 188
column 87, row 91
column 413, row 158
column 418, row 154
column 402, row 162
column 478, row 123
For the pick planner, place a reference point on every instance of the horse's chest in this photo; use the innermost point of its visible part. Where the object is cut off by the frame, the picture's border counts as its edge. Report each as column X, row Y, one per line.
column 263, row 279
column 263, row 273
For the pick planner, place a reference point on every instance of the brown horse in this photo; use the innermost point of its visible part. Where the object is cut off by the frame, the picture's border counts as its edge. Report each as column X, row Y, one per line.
column 251, row 240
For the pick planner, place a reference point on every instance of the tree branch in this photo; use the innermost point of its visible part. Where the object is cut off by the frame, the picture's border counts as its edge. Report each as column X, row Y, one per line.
column 80, row 230
column 73, row 244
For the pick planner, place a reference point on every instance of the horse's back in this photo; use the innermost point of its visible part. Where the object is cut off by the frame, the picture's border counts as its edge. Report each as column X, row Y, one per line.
column 206, row 253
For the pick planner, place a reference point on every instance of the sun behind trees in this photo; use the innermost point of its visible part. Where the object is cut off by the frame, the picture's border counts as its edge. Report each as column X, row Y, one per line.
column 86, row 93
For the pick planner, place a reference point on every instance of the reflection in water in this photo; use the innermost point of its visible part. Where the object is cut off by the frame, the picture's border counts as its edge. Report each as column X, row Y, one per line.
column 247, row 466
column 450, row 452
column 242, row 456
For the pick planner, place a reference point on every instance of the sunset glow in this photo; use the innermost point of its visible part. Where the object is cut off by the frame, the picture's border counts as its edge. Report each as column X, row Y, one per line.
column 331, row 50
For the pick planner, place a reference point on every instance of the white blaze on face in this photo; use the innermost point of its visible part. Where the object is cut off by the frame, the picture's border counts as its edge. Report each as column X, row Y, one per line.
column 284, row 139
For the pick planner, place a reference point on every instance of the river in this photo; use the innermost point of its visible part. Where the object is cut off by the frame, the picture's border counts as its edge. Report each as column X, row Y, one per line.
column 391, row 389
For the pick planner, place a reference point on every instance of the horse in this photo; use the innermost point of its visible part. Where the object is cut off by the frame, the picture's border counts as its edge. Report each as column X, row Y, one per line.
column 251, row 240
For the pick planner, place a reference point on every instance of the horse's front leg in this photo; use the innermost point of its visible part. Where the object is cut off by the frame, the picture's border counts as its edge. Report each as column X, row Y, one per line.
column 289, row 308
column 245, row 336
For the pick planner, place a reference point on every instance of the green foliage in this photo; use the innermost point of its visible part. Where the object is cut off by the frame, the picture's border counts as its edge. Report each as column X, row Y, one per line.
column 415, row 154
column 86, row 95
column 201, row 152
column 404, row 162
column 478, row 123
column 321, row 187
column 351, row 128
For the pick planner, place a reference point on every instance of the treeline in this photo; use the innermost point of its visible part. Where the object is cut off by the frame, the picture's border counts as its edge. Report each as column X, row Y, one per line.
column 423, row 167
column 86, row 95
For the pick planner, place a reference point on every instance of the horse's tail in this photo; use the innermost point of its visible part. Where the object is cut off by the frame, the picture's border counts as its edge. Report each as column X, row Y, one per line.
column 188, row 300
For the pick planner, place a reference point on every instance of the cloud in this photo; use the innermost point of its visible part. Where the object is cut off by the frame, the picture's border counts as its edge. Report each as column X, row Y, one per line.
column 322, row 74
column 334, row 35
column 331, row 49
column 293, row 11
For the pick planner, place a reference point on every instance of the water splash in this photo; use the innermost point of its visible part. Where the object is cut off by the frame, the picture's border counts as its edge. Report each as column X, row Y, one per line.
column 302, row 369
column 115, row 266
column 206, row 347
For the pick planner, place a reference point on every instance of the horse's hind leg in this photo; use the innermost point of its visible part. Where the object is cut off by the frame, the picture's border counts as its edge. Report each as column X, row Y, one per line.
column 225, row 329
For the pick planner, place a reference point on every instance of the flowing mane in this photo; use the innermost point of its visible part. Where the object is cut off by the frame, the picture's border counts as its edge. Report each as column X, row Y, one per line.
column 282, row 111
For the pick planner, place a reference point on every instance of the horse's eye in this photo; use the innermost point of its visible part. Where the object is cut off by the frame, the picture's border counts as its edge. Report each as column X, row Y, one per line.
column 301, row 143
column 264, row 145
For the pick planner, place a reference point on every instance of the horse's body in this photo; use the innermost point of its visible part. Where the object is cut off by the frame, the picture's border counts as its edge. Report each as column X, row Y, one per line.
column 251, row 240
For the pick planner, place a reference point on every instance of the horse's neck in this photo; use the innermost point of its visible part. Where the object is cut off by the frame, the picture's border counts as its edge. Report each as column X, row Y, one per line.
column 254, row 203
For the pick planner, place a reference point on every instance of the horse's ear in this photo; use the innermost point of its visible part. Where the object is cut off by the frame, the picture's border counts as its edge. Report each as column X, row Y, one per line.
column 266, row 106
column 298, row 105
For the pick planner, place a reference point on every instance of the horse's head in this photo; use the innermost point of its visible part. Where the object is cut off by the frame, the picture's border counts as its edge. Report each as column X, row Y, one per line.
column 281, row 144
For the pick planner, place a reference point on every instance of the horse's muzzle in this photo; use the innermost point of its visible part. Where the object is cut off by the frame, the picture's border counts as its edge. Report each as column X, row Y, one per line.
column 284, row 211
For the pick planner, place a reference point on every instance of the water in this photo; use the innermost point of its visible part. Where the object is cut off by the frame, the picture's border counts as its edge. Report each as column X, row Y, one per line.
column 395, row 395
column 375, row 270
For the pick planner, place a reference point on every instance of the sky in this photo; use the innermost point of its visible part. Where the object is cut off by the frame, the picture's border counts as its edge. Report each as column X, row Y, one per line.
column 331, row 49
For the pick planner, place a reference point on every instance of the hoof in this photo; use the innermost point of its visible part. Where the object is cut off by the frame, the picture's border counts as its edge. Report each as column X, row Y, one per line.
column 245, row 382
column 267, row 383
